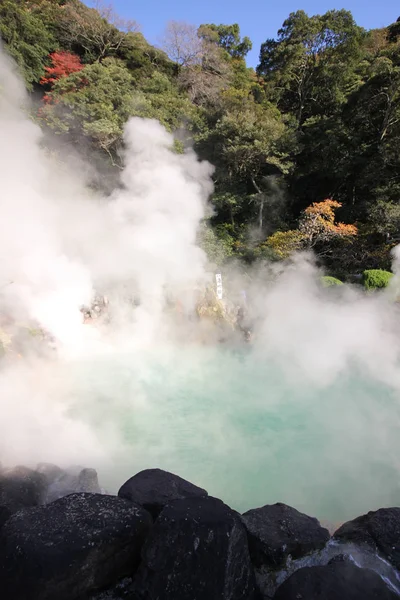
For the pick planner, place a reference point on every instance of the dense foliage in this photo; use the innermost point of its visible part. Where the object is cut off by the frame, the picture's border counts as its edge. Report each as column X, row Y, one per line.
column 375, row 279
column 314, row 130
column 328, row 281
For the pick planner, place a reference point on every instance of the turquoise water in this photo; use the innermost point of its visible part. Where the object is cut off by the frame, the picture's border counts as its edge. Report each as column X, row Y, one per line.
column 238, row 424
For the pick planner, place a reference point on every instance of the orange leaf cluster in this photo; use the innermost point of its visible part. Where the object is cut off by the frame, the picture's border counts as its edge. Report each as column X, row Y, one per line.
column 319, row 219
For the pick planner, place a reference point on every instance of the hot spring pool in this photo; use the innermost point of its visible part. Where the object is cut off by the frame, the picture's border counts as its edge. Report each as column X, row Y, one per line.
column 238, row 424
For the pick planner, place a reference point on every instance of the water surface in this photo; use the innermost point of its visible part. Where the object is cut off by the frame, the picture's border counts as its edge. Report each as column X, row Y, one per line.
column 235, row 422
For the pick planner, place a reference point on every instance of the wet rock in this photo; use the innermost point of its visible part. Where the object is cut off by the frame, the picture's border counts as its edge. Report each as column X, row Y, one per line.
column 379, row 530
column 71, row 548
column 154, row 488
column 197, row 550
column 20, row 488
column 341, row 558
column 278, row 531
column 338, row 581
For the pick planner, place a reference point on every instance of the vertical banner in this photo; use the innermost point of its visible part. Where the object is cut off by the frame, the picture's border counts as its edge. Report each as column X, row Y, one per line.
column 218, row 278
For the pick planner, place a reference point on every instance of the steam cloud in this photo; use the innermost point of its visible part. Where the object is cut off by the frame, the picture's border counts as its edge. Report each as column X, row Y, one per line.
column 308, row 415
column 59, row 244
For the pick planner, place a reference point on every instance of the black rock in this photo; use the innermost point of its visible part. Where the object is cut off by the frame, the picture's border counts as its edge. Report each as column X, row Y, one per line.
column 88, row 481
column 276, row 531
column 121, row 590
column 71, row 547
column 341, row 558
column 50, row 471
column 380, row 530
column 197, row 550
column 154, row 488
column 62, row 483
column 20, row 488
column 337, row 581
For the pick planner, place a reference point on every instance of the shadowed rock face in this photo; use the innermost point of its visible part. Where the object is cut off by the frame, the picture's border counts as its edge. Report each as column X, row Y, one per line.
column 380, row 530
column 340, row 580
column 154, row 488
column 20, row 488
column 73, row 546
column 62, row 540
column 64, row 482
column 23, row 488
column 277, row 531
column 198, row 550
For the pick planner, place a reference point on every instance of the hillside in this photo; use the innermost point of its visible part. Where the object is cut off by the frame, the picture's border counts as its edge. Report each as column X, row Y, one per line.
column 310, row 137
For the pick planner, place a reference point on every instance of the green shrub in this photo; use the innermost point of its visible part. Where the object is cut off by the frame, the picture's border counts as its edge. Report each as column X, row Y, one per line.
column 376, row 279
column 328, row 281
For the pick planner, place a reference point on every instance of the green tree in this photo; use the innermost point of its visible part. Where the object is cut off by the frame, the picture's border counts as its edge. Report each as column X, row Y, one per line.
column 143, row 60
column 308, row 67
column 94, row 103
column 157, row 97
column 26, row 39
column 245, row 144
column 228, row 38
column 371, row 119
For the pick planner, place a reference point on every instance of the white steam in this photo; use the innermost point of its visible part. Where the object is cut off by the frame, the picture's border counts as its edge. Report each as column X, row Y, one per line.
column 308, row 414
column 59, row 243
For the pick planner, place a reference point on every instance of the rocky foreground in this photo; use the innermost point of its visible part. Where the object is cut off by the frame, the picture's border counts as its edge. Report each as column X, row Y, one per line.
column 163, row 538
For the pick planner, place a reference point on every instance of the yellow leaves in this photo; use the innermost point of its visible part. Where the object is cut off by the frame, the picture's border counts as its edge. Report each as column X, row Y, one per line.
column 285, row 243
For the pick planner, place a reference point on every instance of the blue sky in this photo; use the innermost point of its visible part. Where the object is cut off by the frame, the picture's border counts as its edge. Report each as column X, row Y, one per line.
column 258, row 19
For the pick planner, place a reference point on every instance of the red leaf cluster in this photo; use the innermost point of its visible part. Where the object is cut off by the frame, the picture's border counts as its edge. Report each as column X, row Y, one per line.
column 64, row 64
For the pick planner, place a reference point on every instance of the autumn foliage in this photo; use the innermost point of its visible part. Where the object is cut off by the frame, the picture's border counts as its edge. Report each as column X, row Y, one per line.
column 63, row 64
column 318, row 223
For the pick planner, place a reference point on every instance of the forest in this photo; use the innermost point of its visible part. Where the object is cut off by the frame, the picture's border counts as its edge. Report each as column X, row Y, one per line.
column 306, row 147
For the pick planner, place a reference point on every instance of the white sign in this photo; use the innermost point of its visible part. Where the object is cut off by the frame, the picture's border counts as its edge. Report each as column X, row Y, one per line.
column 218, row 278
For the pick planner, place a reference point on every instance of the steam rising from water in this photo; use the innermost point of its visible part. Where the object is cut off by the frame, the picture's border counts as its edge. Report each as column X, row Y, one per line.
column 309, row 414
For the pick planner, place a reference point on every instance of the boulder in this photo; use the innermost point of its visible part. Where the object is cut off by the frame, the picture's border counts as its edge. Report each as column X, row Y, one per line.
column 88, row 481
column 340, row 558
column 72, row 547
column 379, row 530
column 20, row 488
column 121, row 590
column 154, row 488
column 62, row 483
column 51, row 472
column 340, row 580
column 197, row 550
column 277, row 531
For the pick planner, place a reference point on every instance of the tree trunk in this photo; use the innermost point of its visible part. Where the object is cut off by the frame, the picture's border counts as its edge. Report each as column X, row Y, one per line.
column 260, row 216
column 231, row 216
column 261, row 207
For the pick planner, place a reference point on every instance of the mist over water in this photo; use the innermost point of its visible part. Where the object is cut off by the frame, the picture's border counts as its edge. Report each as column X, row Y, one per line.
column 308, row 414
column 239, row 423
